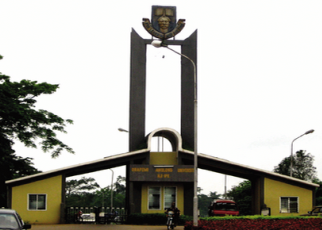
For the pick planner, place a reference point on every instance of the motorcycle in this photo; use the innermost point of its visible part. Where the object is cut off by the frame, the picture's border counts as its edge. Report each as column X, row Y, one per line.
column 170, row 223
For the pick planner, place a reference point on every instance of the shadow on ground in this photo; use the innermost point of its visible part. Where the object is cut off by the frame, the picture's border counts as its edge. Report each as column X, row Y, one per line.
column 99, row 226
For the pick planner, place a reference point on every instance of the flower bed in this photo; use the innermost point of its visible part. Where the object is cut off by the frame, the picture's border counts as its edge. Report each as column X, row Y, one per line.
column 254, row 224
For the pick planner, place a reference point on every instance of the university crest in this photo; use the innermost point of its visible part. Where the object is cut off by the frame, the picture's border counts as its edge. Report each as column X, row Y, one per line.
column 164, row 22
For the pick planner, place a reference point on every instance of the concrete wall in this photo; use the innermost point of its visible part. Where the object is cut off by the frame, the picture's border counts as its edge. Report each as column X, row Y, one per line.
column 163, row 158
column 179, row 197
column 273, row 190
column 52, row 187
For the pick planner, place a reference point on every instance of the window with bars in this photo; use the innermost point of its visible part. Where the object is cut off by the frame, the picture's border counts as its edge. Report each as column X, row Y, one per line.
column 156, row 194
column 169, row 196
column 154, row 198
column 289, row 204
column 37, row 201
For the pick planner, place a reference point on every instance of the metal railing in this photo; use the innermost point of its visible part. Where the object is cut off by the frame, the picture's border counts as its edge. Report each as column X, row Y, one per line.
column 101, row 215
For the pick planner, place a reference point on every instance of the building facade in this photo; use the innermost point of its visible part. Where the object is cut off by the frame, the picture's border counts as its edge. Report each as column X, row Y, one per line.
column 155, row 180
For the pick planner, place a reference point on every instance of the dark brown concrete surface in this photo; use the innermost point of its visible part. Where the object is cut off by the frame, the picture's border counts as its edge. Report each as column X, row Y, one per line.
column 99, row 226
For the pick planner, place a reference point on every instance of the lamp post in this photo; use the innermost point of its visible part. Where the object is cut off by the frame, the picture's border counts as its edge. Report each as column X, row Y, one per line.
column 112, row 189
column 307, row 132
column 122, row 130
column 225, row 186
column 158, row 43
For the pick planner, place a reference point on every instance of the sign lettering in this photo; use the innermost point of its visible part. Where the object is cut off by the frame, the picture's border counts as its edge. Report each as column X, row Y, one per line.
column 186, row 170
column 173, row 173
column 164, row 169
column 140, row 169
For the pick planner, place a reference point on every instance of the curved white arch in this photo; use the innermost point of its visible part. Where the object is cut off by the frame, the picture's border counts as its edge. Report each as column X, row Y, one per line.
column 170, row 134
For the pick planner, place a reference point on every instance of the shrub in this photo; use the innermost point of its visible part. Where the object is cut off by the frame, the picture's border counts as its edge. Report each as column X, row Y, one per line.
column 153, row 219
column 148, row 219
column 257, row 223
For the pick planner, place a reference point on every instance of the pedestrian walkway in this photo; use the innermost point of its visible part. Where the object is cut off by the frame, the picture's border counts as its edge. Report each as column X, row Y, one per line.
column 100, row 226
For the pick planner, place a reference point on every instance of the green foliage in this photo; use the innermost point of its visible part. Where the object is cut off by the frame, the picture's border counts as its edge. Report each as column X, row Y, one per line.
column 302, row 166
column 78, row 192
column 318, row 192
column 242, row 195
column 119, row 185
column 153, row 219
column 19, row 120
column 80, row 186
column 205, row 200
column 203, row 203
column 149, row 219
column 86, row 193
column 302, row 169
column 12, row 167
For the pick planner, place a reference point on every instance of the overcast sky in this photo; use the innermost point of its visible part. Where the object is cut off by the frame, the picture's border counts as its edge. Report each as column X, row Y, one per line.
column 259, row 76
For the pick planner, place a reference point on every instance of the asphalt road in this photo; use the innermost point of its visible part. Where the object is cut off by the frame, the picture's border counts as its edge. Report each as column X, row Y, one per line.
column 100, row 226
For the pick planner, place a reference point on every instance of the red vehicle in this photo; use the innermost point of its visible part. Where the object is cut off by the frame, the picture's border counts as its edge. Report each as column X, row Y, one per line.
column 223, row 208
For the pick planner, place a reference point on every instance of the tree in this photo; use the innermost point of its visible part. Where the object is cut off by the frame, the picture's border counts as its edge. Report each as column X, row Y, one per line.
column 119, row 191
column 12, row 167
column 242, row 195
column 19, row 120
column 302, row 166
column 119, row 185
column 214, row 195
column 205, row 200
column 80, row 192
column 318, row 192
column 85, row 184
column 86, row 192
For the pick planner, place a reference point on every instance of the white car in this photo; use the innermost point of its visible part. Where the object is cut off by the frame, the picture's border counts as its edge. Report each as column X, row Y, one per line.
column 10, row 219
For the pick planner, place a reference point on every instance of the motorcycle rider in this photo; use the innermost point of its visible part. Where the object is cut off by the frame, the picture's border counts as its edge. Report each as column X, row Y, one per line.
column 176, row 213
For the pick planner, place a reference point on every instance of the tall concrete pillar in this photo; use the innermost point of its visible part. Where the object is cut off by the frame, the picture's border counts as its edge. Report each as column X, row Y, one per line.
column 138, row 90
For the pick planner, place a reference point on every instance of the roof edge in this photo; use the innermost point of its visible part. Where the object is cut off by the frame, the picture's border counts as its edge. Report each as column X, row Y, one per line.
column 76, row 165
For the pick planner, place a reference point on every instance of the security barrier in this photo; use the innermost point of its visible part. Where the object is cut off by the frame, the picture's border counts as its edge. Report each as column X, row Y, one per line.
column 99, row 215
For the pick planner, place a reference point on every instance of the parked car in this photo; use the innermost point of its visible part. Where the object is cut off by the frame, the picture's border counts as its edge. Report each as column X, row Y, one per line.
column 222, row 208
column 317, row 211
column 10, row 219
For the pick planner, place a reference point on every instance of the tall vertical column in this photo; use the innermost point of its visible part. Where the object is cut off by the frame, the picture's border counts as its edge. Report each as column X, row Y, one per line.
column 188, row 48
column 137, row 91
column 257, row 194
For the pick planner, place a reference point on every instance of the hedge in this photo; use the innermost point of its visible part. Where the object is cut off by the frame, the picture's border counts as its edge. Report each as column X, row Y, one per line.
column 229, row 222
column 256, row 223
column 153, row 219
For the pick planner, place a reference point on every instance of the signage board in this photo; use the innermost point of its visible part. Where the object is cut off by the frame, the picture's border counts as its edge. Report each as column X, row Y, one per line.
column 159, row 173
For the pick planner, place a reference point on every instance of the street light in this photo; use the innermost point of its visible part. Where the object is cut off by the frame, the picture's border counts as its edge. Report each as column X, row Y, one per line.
column 307, row 132
column 112, row 189
column 122, row 130
column 159, row 43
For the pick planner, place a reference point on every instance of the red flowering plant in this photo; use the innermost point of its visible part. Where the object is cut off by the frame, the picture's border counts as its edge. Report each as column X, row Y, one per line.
column 254, row 224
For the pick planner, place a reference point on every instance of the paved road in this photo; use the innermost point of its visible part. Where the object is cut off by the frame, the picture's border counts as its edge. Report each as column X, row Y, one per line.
column 99, row 226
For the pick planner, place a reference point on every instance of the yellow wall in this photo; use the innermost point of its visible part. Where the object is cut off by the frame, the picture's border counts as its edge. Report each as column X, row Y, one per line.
column 144, row 202
column 273, row 190
column 163, row 158
column 52, row 187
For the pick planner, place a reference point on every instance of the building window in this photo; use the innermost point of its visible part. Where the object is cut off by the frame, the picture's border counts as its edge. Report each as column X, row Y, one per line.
column 37, row 201
column 157, row 194
column 289, row 204
column 169, row 196
column 154, row 198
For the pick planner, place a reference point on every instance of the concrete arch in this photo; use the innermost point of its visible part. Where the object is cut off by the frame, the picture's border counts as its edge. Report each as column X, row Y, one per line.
column 170, row 134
